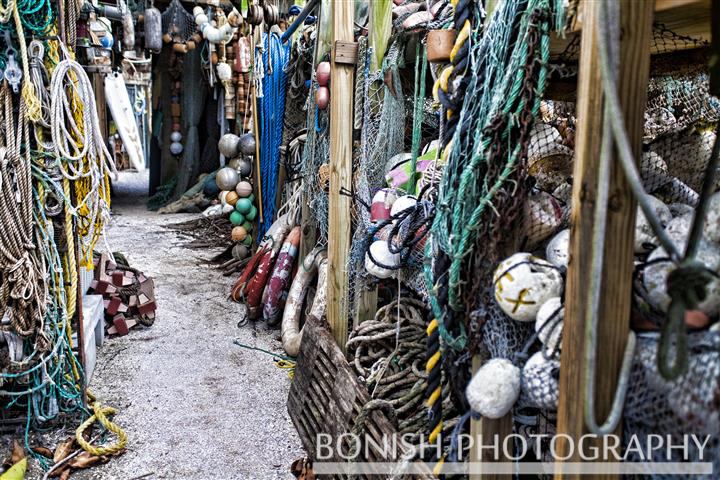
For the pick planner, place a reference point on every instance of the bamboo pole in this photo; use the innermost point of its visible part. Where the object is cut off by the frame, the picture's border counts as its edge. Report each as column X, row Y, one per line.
column 341, row 124
column 616, row 292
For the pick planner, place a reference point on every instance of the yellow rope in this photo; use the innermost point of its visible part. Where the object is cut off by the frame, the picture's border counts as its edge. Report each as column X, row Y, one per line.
column 100, row 414
column 30, row 98
column 69, row 264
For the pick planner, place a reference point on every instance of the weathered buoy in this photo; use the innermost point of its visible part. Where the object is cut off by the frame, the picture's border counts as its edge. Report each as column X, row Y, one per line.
column 247, row 144
column 382, row 203
column 540, row 381
column 645, row 239
column 240, row 252
column 549, row 323
column 243, row 189
column 227, row 178
column 403, row 203
column 231, row 198
column 238, row 234
column 229, row 145
column 494, row 388
column 322, row 73
column 523, row 283
column 380, row 253
column 558, row 249
column 322, row 97
column 236, row 218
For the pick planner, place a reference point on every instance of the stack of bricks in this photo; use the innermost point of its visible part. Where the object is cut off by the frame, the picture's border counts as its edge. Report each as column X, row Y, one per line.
column 129, row 296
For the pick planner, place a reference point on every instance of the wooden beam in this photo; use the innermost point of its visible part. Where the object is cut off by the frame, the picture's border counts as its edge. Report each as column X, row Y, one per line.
column 341, row 125
column 616, row 292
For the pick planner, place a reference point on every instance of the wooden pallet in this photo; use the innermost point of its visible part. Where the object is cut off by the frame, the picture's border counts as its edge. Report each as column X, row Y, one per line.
column 326, row 397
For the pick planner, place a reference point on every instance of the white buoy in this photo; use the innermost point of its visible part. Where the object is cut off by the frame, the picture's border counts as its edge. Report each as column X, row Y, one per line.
column 523, row 283
column 494, row 388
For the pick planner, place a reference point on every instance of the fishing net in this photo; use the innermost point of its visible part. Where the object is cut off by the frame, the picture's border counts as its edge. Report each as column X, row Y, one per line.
column 675, row 409
column 678, row 137
column 381, row 113
column 178, row 22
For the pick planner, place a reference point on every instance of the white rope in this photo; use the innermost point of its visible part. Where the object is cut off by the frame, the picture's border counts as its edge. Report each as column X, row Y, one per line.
column 82, row 147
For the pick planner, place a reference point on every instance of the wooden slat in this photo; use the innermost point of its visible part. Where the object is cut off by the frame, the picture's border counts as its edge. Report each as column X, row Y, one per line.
column 341, row 124
column 616, row 293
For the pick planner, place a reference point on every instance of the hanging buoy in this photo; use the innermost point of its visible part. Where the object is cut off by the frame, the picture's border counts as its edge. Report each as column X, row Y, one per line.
column 243, row 205
column 227, row 178
column 175, row 137
column 322, row 73
column 250, row 216
column 153, row 29
column 231, row 198
column 247, row 144
column 322, row 97
column 229, row 145
column 540, row 381
column 240, row 252
column 244, row 167
column 176, row 148
column 244, row 189
column 236, row 218
column 238, row 234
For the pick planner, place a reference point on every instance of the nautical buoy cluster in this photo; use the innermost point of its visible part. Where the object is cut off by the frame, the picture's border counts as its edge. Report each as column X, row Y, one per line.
column 322, row 94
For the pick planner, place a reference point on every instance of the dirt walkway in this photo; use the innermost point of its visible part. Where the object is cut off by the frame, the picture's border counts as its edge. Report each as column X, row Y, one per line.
column 194, row 405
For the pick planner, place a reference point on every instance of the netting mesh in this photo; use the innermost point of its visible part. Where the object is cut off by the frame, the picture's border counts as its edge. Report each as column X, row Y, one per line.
column 679, row 133
column 683, row 407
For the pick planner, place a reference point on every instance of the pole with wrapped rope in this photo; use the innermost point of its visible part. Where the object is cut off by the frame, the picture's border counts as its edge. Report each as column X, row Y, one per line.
column 452, row 82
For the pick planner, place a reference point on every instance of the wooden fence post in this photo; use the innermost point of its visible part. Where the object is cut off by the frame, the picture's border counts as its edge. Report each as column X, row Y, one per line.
column 341, row 126
column 616, row 293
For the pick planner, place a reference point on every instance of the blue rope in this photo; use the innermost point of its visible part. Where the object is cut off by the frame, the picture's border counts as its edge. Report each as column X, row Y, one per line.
column 272, row 111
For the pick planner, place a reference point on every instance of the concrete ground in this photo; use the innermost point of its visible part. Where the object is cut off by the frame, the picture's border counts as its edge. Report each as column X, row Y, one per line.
column 194, row 405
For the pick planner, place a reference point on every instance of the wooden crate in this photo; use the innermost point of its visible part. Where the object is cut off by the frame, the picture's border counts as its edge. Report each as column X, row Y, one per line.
column 326, row 397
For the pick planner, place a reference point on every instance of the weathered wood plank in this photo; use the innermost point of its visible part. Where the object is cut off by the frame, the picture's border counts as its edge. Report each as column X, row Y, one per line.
column 341, row 125
column 615, row 301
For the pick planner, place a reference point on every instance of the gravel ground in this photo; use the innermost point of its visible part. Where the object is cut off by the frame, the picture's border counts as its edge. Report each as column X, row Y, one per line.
column 194, row 405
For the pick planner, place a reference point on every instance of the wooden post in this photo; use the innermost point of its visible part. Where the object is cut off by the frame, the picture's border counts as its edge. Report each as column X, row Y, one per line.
column 636, row 27
column 341, row 125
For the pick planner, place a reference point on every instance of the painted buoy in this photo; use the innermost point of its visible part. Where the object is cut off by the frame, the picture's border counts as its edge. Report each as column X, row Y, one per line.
column 494, row 388
column 251, row 214
column 523, row 283
column 248, row 241
column 222, row 197
column 227, row 208
column 382, row 203
column 227, row 178
column 244, row 189
column 231, row 198
column 247, row 226
column 236, row 218
column 243, row 205
column 238, row 234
